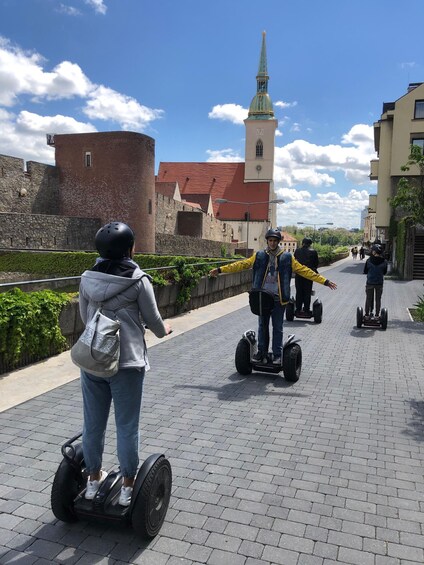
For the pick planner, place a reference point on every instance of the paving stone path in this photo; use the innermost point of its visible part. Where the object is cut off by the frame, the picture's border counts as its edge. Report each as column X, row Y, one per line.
column 328, row 470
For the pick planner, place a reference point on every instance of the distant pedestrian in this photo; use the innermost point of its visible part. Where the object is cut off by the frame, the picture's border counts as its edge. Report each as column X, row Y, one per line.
column 375, row 268
column 361, row 253
column 354, row 253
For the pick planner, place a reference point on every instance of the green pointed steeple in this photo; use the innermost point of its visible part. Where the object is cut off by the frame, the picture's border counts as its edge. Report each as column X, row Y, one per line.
column 261, row 105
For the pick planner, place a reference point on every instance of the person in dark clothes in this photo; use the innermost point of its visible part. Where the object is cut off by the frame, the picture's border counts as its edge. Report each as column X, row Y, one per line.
column 308, row 257
column 375, row 268
column 361, row 253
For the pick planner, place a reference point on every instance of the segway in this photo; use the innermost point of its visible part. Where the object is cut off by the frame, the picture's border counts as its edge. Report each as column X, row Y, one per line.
column 291, row 358
column 149, row 501
column 315, row 313
column 261, row 303
column 371, row 321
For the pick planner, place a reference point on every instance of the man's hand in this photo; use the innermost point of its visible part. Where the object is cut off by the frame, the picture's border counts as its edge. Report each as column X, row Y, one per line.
column 213, row 273
column 332, row 285
column 168, row 329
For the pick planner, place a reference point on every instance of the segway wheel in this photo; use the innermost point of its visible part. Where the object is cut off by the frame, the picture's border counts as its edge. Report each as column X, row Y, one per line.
column 359, row 317
column 292, row 362
column 242, row 358
column 383, row 318
column 290, row 312
column 152, row 501
column 67, row 483
column 317, row 311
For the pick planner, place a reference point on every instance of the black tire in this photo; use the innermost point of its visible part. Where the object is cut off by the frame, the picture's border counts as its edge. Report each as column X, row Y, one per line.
column 359, row 317
column 152, row 501
column 383, row 318
column 67, row 483
column 292, row 362
column 242, row 358
column 290, row 312
column 317, row 312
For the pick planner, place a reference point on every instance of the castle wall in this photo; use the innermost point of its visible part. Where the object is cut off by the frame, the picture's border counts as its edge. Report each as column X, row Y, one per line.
column 34, row 190
column 44, row 232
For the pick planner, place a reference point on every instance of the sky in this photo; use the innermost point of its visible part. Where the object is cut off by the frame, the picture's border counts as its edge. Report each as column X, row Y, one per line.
column 184, row 73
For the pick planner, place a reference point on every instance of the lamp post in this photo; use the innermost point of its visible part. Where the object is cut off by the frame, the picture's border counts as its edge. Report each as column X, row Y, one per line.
column 248, row 205
column 315, row 225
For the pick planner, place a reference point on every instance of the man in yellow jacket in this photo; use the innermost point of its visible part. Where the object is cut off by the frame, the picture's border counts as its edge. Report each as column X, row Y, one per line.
column 272, row 271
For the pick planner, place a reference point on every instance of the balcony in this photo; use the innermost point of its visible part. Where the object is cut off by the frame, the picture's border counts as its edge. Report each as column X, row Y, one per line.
column 374, row 169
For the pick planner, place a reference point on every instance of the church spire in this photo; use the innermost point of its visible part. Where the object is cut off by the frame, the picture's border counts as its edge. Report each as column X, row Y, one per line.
column 261, row 105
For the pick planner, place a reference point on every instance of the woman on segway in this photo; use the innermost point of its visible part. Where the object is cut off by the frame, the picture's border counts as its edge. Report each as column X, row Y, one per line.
column 117, row 279
column 272, row 271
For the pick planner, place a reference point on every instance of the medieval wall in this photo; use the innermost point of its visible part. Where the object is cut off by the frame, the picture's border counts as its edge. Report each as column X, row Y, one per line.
column 40, row 231
column 167, row 244
column 166, row 220
column 34, row 190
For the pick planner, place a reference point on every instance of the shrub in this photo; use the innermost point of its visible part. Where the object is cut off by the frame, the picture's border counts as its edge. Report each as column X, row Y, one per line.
column 29, row 322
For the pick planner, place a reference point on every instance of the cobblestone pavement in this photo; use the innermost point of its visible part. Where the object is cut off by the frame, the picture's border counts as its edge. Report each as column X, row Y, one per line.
column 327, row 470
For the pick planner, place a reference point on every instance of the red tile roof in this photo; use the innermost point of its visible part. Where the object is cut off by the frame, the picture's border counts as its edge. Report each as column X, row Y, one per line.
column 220, row 180
column 288, row 236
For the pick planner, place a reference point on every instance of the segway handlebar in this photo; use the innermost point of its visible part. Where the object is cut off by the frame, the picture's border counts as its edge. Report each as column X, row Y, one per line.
column 68, row 450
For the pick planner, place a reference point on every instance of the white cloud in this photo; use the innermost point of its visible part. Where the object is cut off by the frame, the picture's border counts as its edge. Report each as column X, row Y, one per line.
column 24, row 135
column 342, row 211
column 21, row 73
column 410, row 65
column 295, row 127
column 68, row 10
column 23, row 78
column 98, row 5
column 107, row 104
column 278, row 133
column 229, row 112
column 281, row 104
column 223, row 156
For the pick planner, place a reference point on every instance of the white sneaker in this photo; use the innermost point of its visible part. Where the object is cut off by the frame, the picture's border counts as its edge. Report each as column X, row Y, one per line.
column 93, row 486
column 125, row 496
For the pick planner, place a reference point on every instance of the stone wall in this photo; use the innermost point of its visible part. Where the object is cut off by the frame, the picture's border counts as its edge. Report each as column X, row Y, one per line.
column 31, row 191
column 166, row 220
column 39, row 231
column 191, row 246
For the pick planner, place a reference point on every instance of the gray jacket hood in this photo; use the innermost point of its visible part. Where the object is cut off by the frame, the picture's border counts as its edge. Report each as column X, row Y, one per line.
column 100, row 287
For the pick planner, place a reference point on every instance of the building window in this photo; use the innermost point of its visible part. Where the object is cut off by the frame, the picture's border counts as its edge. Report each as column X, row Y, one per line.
column 150, row 207
column 259, row 148
column 418, row 141
column 87, row 159
column 419, row 109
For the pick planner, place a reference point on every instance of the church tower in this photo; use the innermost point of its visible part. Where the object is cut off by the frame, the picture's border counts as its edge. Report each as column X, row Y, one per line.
column 260, row 129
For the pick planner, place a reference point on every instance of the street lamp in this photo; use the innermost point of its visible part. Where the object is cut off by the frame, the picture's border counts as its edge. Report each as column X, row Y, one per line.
column 315, row 225
column 248, row 204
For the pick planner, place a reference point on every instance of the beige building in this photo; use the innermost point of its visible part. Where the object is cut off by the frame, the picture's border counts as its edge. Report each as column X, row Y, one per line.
column 370, row 233
column 400, row 126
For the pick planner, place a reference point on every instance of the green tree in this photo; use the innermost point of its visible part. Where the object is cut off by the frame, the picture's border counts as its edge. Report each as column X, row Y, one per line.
column 409, row 198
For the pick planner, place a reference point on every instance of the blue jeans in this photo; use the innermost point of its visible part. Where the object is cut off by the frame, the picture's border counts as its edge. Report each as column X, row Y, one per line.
column 126, row 390
column 277, row 316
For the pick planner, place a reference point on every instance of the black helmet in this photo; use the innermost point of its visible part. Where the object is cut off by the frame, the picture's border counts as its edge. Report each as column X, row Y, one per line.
column 307, row 241
column 377, row 249
column 273, row 233
column 114, row 240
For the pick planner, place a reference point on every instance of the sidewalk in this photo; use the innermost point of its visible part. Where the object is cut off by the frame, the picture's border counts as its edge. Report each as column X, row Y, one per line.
column 327, row 470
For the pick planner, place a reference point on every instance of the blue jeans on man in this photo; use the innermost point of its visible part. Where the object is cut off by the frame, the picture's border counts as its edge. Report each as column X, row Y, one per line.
column 126, row 390
column 277, row 317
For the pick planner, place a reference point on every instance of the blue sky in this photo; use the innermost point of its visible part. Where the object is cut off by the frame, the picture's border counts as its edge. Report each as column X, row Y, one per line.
column 184, row 73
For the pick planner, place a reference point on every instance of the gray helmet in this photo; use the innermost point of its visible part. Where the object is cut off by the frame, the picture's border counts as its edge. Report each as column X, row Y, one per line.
column 273, row 233
column 114, row 240
column 307, row 241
